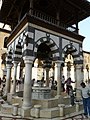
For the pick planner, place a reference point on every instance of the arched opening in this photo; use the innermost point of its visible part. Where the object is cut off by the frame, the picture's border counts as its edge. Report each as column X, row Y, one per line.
column 44, row 52
column 70, row 53
column 42, row 62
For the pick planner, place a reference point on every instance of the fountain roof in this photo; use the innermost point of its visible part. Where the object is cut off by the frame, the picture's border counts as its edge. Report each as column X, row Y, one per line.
column 71, row 11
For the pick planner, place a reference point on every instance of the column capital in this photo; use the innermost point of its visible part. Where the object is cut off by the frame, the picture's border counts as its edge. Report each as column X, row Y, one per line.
column 79, row 66
column 19, row 63
column 15, row 62
column 9, row 66
column 58, row 63
column 28, row 59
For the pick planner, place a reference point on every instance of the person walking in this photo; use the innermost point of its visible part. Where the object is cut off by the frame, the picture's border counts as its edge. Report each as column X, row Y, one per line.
column 68, row 84
column 86, row 99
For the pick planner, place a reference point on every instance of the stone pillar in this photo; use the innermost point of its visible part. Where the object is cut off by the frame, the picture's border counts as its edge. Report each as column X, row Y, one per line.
column 14, row 78
column 65, row 71
column 79, row 79
column 58, row 76
column 18, row 71
column 8, row 78
column 47, row 77
column 27, row 84
column 44, row 74
column 73, row 75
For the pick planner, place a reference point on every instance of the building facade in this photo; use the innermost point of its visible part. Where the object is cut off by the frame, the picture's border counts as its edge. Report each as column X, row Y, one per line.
column 3, row 33
column 86, row 65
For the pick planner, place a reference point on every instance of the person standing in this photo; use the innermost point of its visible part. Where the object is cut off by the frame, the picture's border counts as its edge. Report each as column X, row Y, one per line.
column 62, row 83
column 86, row 99
column 71, row 93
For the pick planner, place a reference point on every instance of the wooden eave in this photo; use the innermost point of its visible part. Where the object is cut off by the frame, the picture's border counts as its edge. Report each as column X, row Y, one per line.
column 11, row 9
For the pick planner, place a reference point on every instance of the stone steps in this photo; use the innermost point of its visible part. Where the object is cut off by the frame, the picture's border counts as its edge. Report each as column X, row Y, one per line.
column 57, row 107
column 6, row 109
column 47, row 113
column 59, row 111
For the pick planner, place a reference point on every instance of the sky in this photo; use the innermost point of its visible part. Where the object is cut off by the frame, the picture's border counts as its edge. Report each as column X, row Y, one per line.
column 84, row 30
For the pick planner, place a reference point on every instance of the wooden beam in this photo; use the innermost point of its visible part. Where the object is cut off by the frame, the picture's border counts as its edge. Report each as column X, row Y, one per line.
column 76, row 6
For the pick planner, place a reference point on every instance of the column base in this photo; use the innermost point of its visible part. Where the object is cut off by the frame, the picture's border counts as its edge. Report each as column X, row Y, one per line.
column 60, row 98
column 78, row 96
column 25, row 112
column 9, row 97
column 57, row 96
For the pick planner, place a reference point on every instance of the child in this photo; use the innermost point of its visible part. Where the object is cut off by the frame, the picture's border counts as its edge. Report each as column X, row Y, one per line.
column 68, row 84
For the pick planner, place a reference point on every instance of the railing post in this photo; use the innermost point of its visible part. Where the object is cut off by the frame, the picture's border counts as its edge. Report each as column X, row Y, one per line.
column 61, row 107
column 37, row 110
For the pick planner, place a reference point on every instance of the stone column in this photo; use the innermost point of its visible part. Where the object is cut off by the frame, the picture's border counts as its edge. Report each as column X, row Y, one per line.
column 44, row 74
column 8, row 78
column 18, row 71
column 58, row 76
column 65, row 71
column 73, row 75
column 27, row 84
column 14, row 77
column 47, row 77
column 79, row 79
